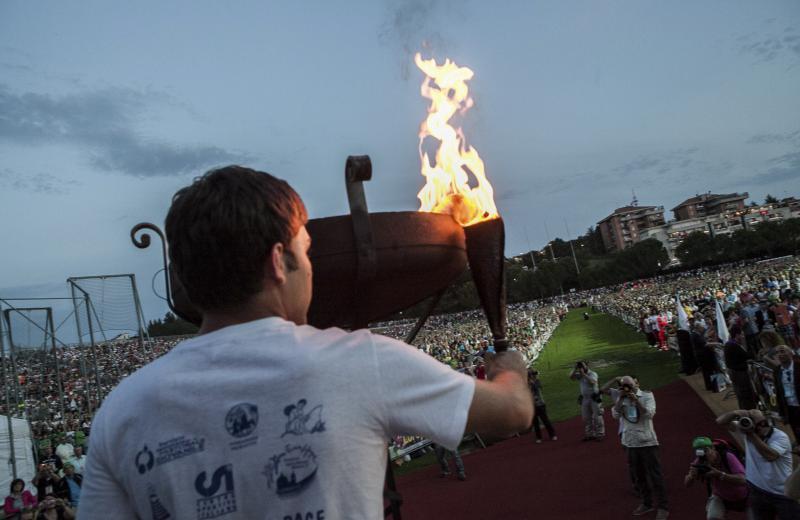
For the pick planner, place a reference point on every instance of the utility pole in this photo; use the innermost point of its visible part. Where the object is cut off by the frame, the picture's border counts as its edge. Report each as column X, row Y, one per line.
column 577, row 269
column 549, row 242
column 530, row 251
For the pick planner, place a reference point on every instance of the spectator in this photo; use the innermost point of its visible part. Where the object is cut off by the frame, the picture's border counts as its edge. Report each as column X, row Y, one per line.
column 768, row 464
column 722, row 472
column 789, row 396
column 637, row 409
column 540, row 408
column 736, row 358
column 46, row 481
column 18, row 500
column 79, row 460
column 73, row 482
column 442, row 454
column 53, row 508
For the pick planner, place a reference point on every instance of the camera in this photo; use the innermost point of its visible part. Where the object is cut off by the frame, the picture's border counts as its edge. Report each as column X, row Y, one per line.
column 744, row 424
column 627, row 388
column 701, row 465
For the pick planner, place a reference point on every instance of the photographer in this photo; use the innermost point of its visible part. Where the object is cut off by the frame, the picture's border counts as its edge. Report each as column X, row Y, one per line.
column 768, row 464
column 46, row 481
column 591, row 401
column 52, row 508
column 723, row 473
column 636, row 408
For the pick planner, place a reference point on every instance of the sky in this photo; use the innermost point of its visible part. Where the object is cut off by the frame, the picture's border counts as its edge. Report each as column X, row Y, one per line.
column 108, row 107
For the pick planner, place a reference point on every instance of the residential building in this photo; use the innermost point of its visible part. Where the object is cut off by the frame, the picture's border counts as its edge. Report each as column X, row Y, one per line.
column 623, row 227
column 709, row 204
column 672, row 233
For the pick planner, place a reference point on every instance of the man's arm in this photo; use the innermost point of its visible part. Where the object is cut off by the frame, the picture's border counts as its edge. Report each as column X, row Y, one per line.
column 727, row 419
column 502, row 405
column 606, row 387
column 764, row 449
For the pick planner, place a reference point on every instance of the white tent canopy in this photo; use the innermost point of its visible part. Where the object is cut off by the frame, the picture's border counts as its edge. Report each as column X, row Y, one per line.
column 23, row 452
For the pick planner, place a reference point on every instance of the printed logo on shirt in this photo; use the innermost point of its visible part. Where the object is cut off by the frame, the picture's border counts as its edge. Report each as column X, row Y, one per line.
column 300, row 422
column 144, row 460
column 292, row 471
column 173, row 449
column 241, row 423
column 156, row 507
column 215, row 502
column 177, row 448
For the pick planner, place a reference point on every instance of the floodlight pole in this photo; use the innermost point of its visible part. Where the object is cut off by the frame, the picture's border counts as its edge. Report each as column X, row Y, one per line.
column 12, row 456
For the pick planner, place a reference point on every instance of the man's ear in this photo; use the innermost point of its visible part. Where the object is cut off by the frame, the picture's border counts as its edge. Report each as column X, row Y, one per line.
column 276, row 265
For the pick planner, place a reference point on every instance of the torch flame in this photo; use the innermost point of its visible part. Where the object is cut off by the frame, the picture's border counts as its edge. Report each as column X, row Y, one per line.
column 448, row 189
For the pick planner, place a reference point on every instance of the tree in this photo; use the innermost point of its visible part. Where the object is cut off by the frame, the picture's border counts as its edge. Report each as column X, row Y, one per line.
column 770, row 199
column 171, row 325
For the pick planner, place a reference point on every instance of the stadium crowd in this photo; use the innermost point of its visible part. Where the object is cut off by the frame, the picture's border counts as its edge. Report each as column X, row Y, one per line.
column 759, row 302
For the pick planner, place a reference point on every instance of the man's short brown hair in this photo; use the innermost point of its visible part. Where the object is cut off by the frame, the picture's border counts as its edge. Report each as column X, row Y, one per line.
column 221, row 228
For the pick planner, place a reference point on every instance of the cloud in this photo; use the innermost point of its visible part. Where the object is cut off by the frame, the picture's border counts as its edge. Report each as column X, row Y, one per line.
column 655, row 164
column 788, row 137
column 103, row 122
column 767, row 48
column 37, row 183
column 783, row 168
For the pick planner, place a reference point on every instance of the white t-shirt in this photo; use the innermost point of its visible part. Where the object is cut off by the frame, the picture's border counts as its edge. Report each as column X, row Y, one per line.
column 267, row 420
column 769, row 476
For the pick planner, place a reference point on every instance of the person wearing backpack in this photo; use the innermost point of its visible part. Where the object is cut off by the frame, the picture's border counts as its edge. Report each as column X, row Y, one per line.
column 717, row 465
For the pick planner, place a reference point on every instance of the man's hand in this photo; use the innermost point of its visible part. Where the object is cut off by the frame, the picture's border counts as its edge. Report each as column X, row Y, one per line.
column 506, row 361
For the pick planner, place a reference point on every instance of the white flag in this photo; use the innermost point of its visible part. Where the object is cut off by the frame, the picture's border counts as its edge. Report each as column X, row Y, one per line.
column 722, row 327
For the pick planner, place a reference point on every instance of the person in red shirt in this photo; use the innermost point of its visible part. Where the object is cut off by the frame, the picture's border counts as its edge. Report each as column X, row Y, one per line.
column 18, row 499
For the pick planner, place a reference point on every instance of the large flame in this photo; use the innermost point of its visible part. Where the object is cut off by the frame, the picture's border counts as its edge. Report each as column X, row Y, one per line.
column 448, row 189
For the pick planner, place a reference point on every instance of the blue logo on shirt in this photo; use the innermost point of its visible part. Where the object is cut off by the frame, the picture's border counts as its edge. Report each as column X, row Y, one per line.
column 300, row 422
column 156, row 507
column 145, row 460
column 242, row 420
column 215, row 502
column 291, row 471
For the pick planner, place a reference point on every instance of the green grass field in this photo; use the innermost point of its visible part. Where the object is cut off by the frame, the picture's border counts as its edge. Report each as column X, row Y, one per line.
column 609, row 346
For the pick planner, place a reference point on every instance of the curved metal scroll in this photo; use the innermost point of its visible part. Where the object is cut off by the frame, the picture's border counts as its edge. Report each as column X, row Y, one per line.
column 144, row 243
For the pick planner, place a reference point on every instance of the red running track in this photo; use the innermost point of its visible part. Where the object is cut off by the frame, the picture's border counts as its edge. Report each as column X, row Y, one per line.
column 568, row 479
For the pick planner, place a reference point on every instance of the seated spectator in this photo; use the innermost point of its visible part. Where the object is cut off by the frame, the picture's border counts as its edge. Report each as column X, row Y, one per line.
column 723, row 473
column 73, row 482
column 18, row 500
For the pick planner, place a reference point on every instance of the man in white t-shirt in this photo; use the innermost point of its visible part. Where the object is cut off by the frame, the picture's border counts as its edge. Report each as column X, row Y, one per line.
column 261, row 415
column 768, row 464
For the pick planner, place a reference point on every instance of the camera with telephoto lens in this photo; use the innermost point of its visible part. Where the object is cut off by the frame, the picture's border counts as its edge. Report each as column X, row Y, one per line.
column 701, row 465
column 744, row 424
